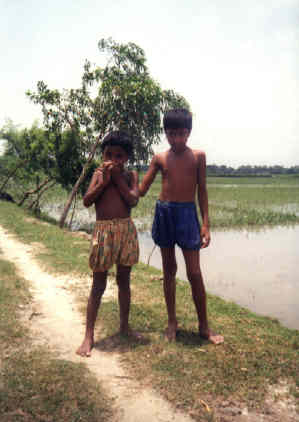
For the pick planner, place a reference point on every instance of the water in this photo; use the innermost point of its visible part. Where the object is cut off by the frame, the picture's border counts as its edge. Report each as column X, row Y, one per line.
column 255, row 269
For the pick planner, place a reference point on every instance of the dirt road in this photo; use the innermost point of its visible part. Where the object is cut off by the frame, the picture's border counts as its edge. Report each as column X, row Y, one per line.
column 55, row 319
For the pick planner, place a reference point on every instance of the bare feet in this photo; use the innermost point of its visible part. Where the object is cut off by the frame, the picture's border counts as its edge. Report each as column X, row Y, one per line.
column 171, row 331
column 128, row 332
column 211, row 336
column 85, row 349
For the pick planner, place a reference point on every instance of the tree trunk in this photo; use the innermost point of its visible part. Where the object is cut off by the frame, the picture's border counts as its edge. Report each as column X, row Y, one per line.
column 33, row 191
column 77, row 184
column 35, row 202
column 73, row 213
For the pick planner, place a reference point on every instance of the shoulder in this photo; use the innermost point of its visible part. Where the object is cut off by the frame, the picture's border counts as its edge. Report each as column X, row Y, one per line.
column 162, row 156
column 199, row 155
column 158, row 159
column 131, row 176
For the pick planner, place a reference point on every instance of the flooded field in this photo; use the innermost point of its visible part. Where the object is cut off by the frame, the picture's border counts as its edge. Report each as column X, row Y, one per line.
column 256, row 269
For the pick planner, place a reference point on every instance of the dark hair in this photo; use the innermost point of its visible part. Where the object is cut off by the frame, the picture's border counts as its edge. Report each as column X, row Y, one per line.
column 179, row 118
column 119, row 139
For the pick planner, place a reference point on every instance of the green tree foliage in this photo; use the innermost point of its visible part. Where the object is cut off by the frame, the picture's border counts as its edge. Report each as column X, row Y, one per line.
column 34, row 155
column 27, row 159
column 127, row 98
column 70, row 160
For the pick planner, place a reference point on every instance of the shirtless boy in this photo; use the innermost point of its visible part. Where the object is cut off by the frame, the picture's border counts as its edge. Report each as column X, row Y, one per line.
column 114, row 191
column 183, row 176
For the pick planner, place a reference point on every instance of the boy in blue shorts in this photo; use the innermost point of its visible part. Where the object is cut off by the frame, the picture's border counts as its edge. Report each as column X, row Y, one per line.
column 183, row 176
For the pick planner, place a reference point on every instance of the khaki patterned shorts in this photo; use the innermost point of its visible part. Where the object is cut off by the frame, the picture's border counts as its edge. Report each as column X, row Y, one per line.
column 113, row 242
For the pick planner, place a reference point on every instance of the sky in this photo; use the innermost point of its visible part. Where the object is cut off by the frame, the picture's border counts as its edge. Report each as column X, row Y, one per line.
column 235, row 61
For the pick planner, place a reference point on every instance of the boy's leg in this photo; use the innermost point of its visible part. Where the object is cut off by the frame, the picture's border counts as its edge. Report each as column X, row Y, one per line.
column 194, row 275
column 124, row 296
column 94, row 301
column 169, row 272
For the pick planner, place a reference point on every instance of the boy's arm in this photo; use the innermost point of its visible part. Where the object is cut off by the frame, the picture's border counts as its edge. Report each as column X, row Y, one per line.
column 203, row 200
column 100, row 179
column 130, row 193
column 149, row 176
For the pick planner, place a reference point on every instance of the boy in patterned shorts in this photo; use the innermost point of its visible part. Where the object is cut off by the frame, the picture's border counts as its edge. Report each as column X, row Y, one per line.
column 114, row 191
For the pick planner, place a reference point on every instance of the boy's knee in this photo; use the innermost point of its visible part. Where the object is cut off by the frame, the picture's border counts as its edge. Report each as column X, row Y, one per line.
column 170, row 273
column 194, row 276
column 99, row 284
column 97, row 291
column 123, row 275
column 123, row 283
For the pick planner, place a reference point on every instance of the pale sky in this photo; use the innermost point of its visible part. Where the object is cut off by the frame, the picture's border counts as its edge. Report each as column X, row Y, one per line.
column 235, row 61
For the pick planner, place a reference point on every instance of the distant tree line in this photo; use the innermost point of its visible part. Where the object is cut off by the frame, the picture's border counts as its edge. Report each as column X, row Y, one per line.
column 243, row 171
column 248, row 170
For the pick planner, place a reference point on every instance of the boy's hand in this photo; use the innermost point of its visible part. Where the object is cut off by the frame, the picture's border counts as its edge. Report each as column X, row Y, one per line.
column 116, row 172
column 105, row 169
column 205, row 236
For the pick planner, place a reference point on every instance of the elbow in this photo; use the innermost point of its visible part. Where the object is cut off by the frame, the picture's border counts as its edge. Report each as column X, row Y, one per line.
column 134, row 201
column 87, row 203
column 142, row 191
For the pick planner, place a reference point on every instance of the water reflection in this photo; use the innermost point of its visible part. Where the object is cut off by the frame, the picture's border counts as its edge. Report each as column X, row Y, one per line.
column 256, row 269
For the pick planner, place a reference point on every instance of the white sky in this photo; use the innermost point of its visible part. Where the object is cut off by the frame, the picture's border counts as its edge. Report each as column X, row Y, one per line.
column 235, row 61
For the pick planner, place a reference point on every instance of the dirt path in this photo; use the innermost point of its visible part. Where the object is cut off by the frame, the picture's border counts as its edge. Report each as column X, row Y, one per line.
column 57, row 322
column 55, row 318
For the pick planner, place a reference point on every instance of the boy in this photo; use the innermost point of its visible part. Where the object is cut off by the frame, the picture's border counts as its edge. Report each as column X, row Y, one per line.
column 114, row 191
column 176, row 222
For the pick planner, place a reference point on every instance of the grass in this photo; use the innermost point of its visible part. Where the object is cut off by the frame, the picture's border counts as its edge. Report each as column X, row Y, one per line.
column 35, row 384
column 192, row 374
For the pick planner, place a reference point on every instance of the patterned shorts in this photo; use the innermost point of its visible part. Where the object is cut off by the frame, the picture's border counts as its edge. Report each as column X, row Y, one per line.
column 113, row 242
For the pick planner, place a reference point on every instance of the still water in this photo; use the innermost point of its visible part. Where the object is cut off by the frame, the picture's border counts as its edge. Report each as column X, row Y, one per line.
column 256, row 269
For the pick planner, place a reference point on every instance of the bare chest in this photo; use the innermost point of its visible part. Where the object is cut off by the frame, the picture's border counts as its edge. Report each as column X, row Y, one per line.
column 182, row 169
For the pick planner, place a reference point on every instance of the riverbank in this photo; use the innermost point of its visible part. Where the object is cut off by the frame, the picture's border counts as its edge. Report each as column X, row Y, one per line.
column 228, row 382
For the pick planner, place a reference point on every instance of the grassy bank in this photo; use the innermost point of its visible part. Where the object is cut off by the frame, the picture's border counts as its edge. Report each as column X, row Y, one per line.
column 35, row 384
column 192, row 374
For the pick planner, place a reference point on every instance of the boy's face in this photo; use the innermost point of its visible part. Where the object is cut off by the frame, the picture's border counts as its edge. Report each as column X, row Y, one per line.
column 116, row 154
column 177, row 139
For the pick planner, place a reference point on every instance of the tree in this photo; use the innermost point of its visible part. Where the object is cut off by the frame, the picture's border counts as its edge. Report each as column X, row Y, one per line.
column 127, row 98
column 27, row 157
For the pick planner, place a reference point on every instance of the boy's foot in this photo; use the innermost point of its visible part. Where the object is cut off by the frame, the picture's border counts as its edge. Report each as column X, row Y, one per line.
column 211, row 336
column 126, row 331
column 85, row 348
column 171, row 331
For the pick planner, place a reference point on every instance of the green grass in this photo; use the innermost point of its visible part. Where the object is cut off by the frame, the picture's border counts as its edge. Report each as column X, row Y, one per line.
column 35, row 384
column 257, row 352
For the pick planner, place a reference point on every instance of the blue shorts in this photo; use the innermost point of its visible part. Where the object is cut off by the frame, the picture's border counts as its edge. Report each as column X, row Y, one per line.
column 176, row 223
